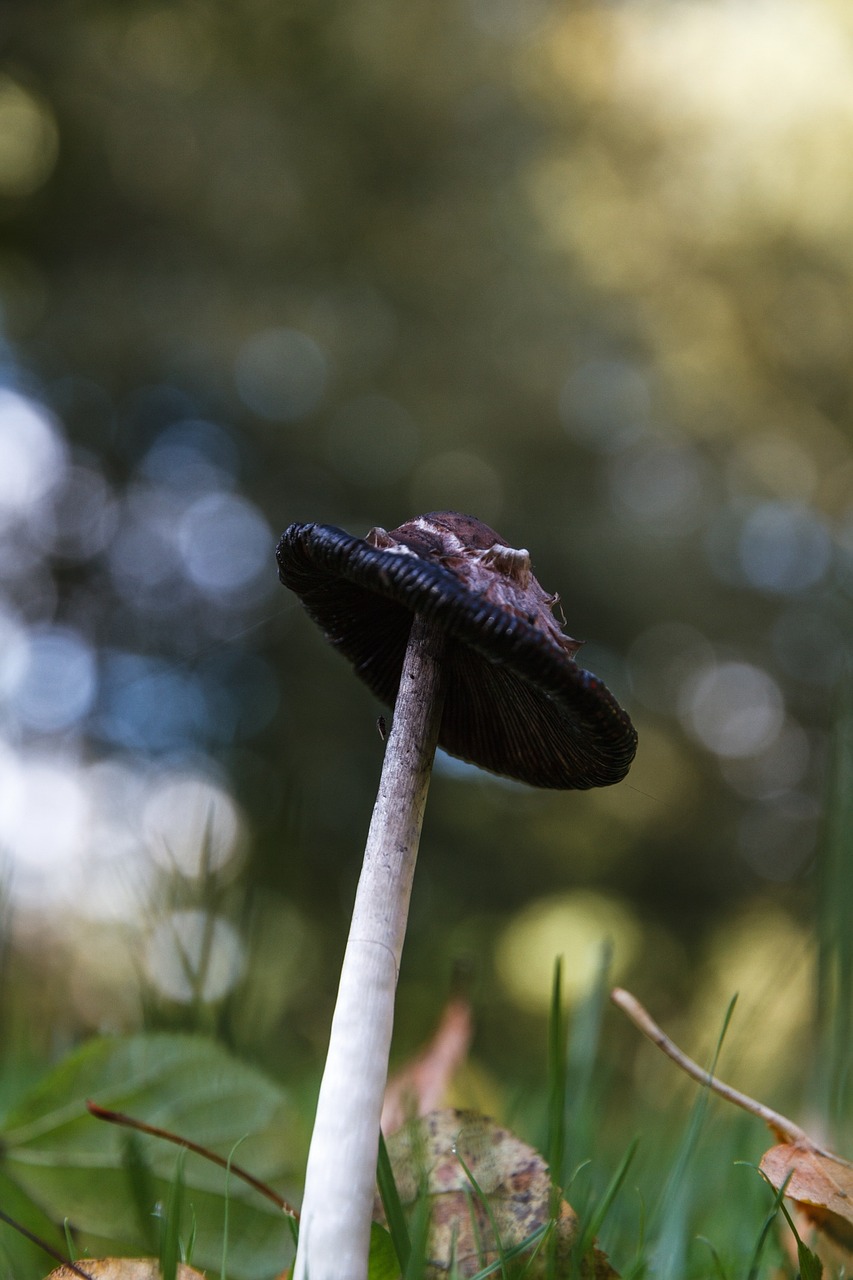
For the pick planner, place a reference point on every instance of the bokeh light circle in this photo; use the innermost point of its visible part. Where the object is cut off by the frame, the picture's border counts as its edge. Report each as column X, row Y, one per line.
column 777, row 840
column 192, row 455
column 784, row 547
column 224, row 542
column 29, row 140
column 191, row 824
column 58, row 681
column 660, row 484
column 82, row 516
column 576, row 926
column 733, row 709
column 192, row 955
column 662, row 658
column 605, row 403
column 32, row 450
column 45, row 816
column 281, row 374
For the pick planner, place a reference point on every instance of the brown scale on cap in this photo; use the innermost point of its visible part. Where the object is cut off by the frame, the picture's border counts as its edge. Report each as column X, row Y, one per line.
column 483, row 562
column 516, row 702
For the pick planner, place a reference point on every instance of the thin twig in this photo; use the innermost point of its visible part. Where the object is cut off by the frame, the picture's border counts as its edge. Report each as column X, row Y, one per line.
column 48, row 1249
column 129, row 1122
column 784, row 1128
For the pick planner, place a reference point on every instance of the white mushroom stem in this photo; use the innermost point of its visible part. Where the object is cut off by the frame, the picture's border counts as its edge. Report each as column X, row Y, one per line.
column 337, row 1209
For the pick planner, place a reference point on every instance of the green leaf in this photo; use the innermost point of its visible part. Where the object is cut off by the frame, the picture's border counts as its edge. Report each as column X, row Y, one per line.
column 21, row 1258
column 75, row 1166
column 382, row 1262
column 394, row 1214
column 811, row 1267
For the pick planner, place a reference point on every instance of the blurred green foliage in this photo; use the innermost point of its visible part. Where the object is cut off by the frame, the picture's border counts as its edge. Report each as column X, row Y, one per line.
column 111, row 1184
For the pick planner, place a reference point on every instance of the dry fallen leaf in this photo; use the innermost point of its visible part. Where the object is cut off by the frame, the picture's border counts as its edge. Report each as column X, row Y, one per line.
column 121, row 1269
column 821, row 1186
column 421, row 1084
column 513, row 1179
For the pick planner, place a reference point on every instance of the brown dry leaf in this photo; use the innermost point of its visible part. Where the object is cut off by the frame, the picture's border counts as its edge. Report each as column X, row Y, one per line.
column 121, row 1269
column 821, row 1185
column 421, row 1084
column 513, row 1178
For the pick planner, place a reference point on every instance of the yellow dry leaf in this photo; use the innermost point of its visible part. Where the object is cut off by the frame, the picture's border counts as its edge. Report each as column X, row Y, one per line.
column 121, row 1269
column 821, row 1185
column 421, row 1084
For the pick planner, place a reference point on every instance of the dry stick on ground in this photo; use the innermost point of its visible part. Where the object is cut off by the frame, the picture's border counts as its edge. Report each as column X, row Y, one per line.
column 784, row 1128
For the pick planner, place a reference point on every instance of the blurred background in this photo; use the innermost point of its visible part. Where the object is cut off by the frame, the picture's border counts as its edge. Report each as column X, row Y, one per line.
column 584, row 271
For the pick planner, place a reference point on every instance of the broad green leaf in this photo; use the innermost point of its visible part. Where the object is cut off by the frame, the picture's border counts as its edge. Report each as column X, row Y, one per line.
column 77, row 1167
column 382, row 1263
column 811, row 1267
column 20, row 1258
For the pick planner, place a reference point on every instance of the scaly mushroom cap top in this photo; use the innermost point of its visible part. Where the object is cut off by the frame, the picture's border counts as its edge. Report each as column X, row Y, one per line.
column 516, row 702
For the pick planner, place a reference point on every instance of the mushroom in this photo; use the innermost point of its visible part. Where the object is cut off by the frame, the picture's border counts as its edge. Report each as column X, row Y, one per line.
column 444, row 621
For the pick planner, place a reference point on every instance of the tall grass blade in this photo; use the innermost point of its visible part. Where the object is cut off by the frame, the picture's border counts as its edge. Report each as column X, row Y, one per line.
column 596, row 1219
column 811, row 1267
column 225, row 1216
column 719, row 1270
column 489, row 1211
column 532, row 1242
column 583, row 1064
column 669, row 1258
column 419, row 1237
column 835, row 935
column 170, row 1242
column 391, row 1203
column 143, row 1189
column 557, row 1071
column 766, row 1227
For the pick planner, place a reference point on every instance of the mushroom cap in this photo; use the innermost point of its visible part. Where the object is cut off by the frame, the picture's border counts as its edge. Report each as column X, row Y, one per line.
column 516, row 703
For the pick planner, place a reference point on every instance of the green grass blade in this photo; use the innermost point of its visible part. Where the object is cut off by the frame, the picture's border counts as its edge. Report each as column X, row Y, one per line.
column 557, row 1071
column 419, row 1237
column 226, row 1209
column 70, row 1245
column 811, row 1267
column 719, row 1270
column 489, row 1212
column 766, row 1228
column 583, row 1063
column 596, row 1219
column 534, row 1242
column 189, row 1249
column 835, row 937
column 669, row 1256
column 391, row 1203
column 170, row 1244
column 143, row 1189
